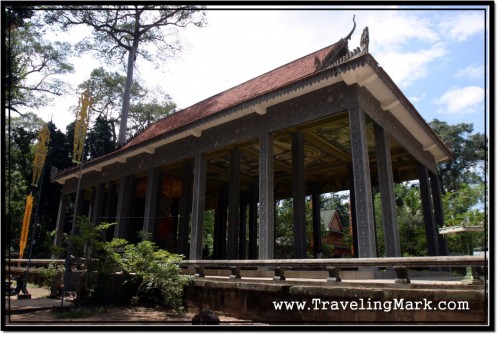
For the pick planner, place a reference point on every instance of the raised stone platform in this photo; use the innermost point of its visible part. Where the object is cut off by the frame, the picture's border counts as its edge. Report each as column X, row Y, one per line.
column 354, row 302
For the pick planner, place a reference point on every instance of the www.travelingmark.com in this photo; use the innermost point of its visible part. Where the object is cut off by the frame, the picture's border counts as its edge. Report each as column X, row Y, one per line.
column 372, row 305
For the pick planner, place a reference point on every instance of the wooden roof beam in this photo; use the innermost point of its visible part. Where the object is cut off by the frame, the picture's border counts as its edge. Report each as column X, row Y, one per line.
column 324, row 146
column 277, row 164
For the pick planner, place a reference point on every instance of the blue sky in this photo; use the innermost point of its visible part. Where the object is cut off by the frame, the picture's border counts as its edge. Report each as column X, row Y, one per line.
column 436, row 56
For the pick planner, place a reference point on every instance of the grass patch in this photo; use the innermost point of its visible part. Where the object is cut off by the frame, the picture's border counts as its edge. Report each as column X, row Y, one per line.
column 76, row 313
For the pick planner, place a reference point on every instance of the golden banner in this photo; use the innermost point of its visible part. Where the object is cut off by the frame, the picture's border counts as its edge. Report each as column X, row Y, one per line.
column 81, row 125
column 26, row 225
column 40, row 154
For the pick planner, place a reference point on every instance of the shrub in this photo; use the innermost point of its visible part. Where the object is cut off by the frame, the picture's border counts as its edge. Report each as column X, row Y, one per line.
column 158, row 274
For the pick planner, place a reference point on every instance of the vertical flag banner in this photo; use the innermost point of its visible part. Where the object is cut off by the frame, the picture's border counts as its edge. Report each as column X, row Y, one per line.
column 41, row 150
column 26, row 224
column 81, row 125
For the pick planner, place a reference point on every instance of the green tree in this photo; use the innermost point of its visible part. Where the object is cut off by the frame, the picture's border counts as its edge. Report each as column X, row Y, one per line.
column 100, row 139
column 469, row 149
column 410, row 220
column 146, row 107
column 106, row 88
column 33, row 65
column 145, row 113
column 21, row 136
column 124, row 32
column 461, row 209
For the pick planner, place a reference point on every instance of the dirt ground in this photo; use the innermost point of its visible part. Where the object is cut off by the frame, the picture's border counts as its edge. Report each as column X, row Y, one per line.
column 110, row 315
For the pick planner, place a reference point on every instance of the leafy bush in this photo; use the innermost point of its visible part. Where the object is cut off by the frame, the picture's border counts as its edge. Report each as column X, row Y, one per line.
column 51, row 277
column 158, row 274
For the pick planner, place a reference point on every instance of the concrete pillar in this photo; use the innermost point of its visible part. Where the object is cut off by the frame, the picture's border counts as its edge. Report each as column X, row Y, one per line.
column 362, row 184
column 266, row 197
column 438, row 212
column 151, row 203
column 386, row 184
column 352, row 201
column 252, row 222
column 61, row 219
column 110, row 199
column 220, row 225
column 430, row 225
column 299, row 195
column 98, row 206
column 174, row 211
column 243, row 230
column 185, row 209
column 316, row 213
column 200, row 180
column 123, row 208
column 234, row 204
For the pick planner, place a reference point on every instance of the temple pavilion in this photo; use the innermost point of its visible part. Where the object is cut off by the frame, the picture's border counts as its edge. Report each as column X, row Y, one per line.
column 330, row 121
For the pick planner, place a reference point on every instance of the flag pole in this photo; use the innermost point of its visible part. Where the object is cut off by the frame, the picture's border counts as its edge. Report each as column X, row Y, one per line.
column 81, row 125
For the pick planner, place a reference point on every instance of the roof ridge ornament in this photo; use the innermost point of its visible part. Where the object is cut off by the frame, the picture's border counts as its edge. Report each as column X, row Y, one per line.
column 339, row 52
column 365, row 40
column 348, row 37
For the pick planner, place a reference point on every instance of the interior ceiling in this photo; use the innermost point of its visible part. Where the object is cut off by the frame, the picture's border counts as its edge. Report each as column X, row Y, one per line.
column 327, row 160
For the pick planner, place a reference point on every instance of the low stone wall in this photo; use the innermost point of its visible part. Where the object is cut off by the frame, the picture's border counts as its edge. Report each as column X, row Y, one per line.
column 324, row 304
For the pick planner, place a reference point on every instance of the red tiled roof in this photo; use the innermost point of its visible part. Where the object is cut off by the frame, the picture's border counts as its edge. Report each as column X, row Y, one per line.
column 253, row 88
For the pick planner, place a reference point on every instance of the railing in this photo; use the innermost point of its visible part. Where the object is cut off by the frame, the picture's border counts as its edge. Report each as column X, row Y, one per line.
column 401, row 265
column 17, row 266
column 34, row 262
column 334, row 266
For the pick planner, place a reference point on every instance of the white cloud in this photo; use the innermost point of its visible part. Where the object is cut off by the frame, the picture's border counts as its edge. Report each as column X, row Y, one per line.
column 405, row 68
column 462, row 26
column 394, row 30
column 462, row 100
column 416, row 99
column 472, row 71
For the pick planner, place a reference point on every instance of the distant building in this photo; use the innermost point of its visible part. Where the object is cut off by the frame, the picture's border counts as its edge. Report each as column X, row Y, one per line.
column 332, row 225
column 330, row 121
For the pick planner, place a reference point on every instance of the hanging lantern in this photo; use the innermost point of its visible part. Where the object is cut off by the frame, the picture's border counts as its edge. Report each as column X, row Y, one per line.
column 40, row 154
column 81, row 125
column 26, row 224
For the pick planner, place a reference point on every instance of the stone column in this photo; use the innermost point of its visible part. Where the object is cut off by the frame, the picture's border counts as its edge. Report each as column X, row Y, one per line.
column 438, row 212
column 352, row 201
column 220, row 225
column 362, row 184
column 299, row 195
column 243, row 229
column 252, row 222
column 174, row 211
column 97, row 208
column 266, row 197
column 110, row 198
column 386, row 184
column 185, row 209
column 151, row 202
column 234, row 204
column 61, row 219
column 200, row 180
column 123, row 208
column 316, row 213
column 430, row 225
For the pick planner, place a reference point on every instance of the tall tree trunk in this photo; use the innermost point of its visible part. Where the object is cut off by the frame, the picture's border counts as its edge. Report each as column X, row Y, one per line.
column 122, row 135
